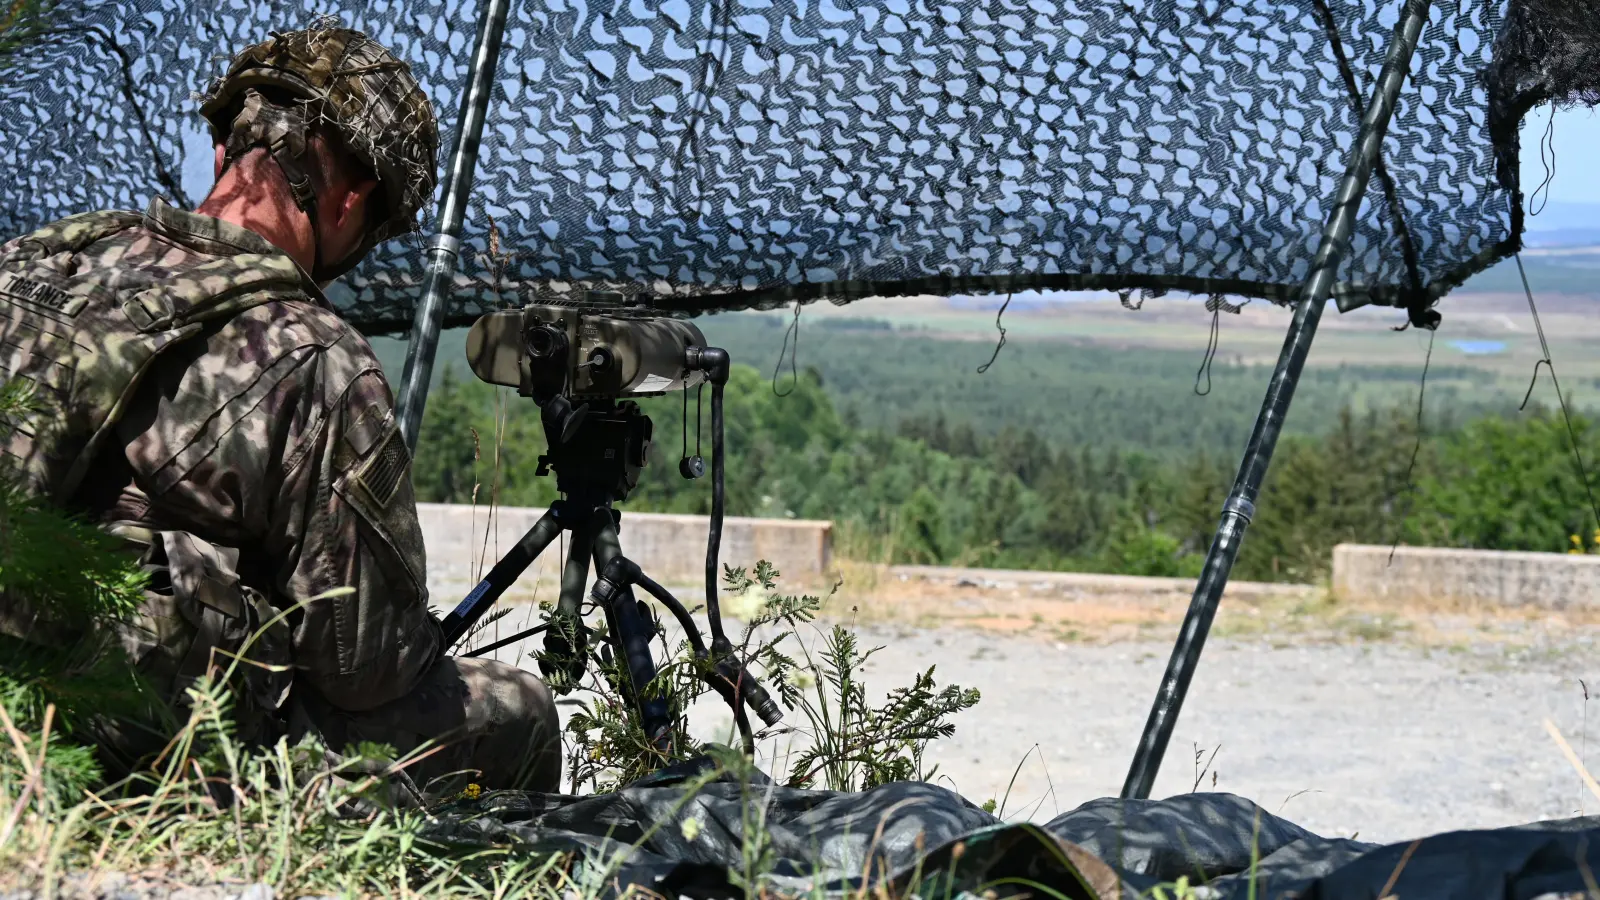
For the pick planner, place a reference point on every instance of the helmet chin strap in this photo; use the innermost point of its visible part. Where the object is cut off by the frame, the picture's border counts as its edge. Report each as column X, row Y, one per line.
column 305, row 196
column 282, row 131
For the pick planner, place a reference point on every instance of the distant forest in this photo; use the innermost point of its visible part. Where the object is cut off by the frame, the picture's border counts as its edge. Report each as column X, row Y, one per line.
column 1070, row 394
column 1060, row 460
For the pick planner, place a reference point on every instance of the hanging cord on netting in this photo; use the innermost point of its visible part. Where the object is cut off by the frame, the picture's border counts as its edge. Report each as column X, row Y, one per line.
column 1566, row 415
column 794, row 355
column 1547, row 143
column 1409, row 490
column 983, row 369
column 1210, row 354
column 1358, row 106
column 1217, row 306
column 711, row 70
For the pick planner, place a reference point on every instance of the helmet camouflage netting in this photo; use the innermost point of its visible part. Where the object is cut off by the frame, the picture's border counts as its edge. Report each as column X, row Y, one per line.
column 341, row 78
column 722, row 155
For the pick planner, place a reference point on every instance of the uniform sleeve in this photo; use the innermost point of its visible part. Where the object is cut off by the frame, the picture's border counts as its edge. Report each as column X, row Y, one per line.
column 352, row 523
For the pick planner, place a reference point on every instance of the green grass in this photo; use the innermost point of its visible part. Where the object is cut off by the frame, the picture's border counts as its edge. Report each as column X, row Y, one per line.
column 212, row 810
column 215, row 812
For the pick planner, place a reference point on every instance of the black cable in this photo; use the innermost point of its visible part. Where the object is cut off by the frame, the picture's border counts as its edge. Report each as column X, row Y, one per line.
column 1544, row 346
column 1548, row 138
column 699, row 393
column 679, row 611
column 1566, row 415
column 686, row 421
column 131, row 94
column 1416, row 448
column 719, row 499
column 530, row 632
column 721, row 24
column 1358, row 107
column 983, row 369
column 1211, row 351
column 692, row 633
column 794, row 358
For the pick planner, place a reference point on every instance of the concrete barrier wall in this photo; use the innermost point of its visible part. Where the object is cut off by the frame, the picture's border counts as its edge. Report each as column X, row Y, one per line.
column 1472, row 577
column 1077, row 584
column 670, row 548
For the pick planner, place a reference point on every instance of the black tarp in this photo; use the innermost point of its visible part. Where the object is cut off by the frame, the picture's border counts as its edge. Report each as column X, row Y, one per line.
column 918, row 838
column 730, row 153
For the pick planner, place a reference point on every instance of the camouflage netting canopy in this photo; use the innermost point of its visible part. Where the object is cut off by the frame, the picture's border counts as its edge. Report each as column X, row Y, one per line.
column 727, row 154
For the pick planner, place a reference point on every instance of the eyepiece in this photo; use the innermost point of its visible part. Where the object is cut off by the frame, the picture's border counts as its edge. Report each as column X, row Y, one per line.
column 546, row 342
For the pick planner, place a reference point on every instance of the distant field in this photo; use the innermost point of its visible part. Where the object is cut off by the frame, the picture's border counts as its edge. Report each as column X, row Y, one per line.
column 1084, row 369
column 1093, row 372
column 1493, row 332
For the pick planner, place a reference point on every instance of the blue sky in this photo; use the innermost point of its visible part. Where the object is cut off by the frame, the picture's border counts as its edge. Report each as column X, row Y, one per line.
column 1577, row 179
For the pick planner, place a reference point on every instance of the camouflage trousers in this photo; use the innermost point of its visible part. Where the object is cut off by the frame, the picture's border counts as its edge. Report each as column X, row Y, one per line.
column 485, row 723
column 469, row 720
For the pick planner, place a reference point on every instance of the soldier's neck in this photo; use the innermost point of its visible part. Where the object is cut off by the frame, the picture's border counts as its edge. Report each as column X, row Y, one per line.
column 253, row 194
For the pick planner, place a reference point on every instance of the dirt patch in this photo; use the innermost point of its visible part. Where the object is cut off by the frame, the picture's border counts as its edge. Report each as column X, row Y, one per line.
column 1081, row 610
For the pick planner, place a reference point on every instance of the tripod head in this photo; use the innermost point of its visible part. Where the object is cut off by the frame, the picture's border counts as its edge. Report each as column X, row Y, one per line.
column 598, row 450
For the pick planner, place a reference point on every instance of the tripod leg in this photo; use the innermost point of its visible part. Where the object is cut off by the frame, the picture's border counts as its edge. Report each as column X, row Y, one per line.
column 575, row 575
column 630, row 627
column 565, row 643
column 502, row 576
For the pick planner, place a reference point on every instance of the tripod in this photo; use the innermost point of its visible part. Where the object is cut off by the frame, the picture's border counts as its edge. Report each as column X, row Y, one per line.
column 597, row 452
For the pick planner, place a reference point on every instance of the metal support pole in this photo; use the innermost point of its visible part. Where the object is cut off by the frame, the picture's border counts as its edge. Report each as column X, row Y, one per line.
column 1240, row 506
column 446, row 244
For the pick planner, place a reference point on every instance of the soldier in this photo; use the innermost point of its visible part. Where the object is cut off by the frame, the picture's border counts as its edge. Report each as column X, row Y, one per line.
column 195, row 392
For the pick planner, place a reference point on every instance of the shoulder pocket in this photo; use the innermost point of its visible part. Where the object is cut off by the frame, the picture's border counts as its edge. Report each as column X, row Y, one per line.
column 377, row 484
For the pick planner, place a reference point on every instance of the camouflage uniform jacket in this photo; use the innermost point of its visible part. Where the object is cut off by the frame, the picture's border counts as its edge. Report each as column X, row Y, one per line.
column 272, row 433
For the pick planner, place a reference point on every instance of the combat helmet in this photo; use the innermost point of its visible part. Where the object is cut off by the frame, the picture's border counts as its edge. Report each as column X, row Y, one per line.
column 274, row 91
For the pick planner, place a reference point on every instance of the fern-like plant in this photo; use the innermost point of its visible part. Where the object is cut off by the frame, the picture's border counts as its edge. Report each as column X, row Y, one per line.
column 58, row 574
column 852, row 745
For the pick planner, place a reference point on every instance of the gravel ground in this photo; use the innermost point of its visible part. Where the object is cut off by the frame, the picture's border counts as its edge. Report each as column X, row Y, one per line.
column 1350, row 720
column 1383, row 724
column 1386, row 739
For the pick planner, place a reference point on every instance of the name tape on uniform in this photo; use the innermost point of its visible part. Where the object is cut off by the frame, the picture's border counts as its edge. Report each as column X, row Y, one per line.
column 34, row 293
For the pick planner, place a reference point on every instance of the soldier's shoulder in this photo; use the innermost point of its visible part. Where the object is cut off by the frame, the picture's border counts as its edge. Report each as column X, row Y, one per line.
column 73, row 232
column 302, row 322
column 348, row 372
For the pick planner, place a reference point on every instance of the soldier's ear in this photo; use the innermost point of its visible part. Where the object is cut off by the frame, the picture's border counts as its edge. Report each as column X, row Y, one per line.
column 222, row 155
column 353, row 203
